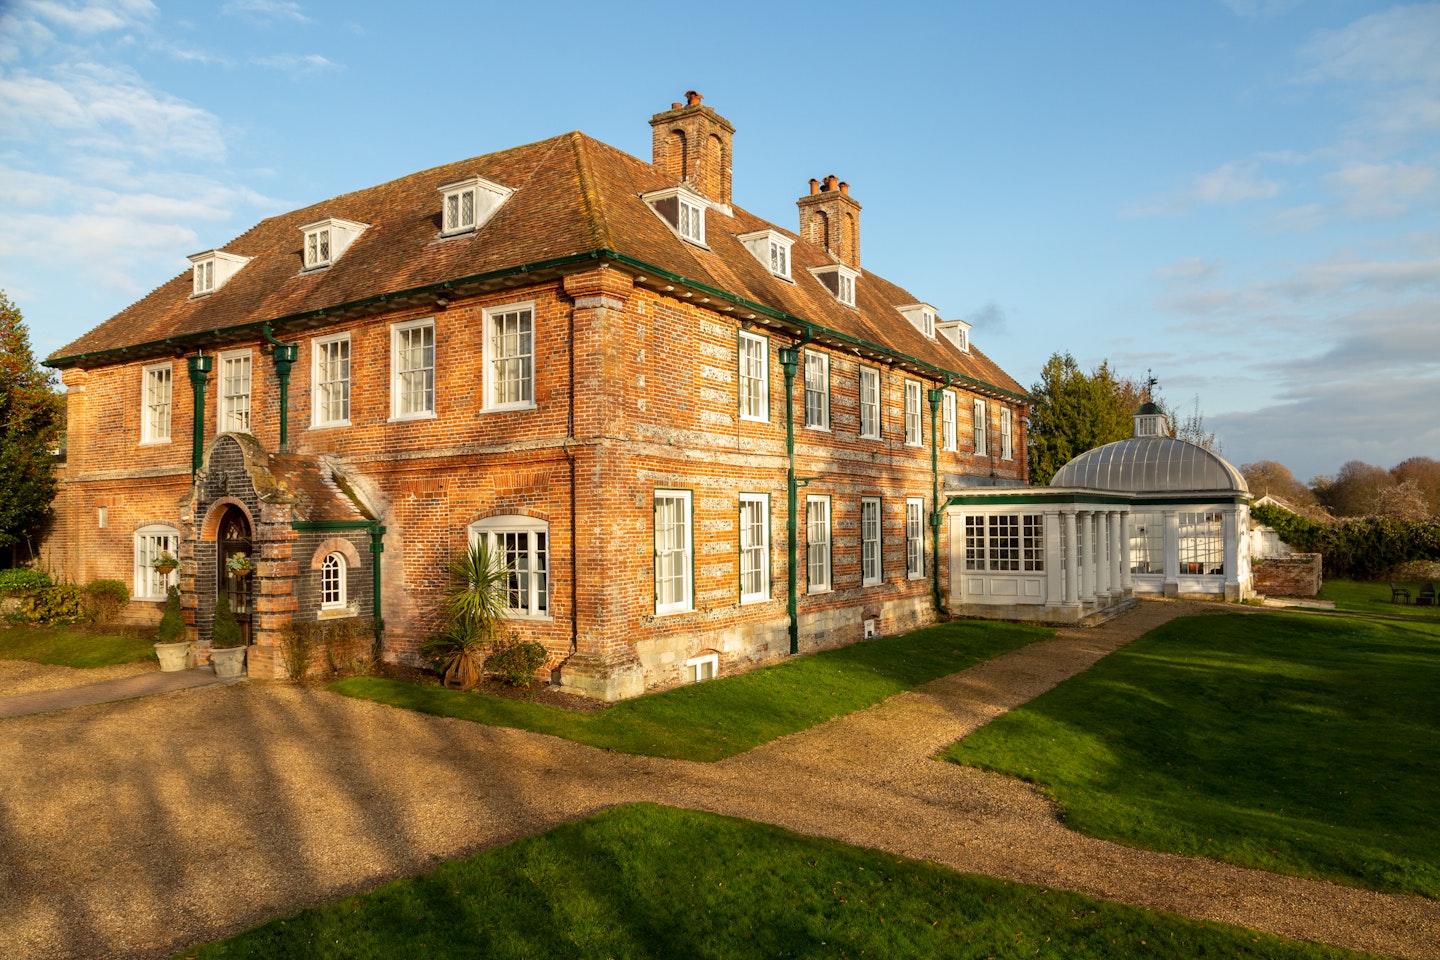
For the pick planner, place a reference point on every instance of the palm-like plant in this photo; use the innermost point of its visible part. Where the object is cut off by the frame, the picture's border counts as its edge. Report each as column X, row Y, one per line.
column 476, row 603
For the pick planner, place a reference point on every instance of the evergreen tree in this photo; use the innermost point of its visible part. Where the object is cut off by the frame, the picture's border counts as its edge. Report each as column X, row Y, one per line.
column 172, row 624
column 30, row 422
column 1075, row 411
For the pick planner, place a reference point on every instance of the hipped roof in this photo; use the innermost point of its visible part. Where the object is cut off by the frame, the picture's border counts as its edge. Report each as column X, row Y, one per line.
column 575, row 199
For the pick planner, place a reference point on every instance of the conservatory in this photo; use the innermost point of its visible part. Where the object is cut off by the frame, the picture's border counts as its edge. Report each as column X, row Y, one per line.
column 1149, row 515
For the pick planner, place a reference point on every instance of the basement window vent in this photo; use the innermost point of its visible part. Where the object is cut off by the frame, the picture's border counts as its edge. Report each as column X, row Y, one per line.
column 871, row 630
column 839, row 280
column 213, row 268
column 702, row 668
column 467, row 205
column 682, row 210
column 771, row 248
column 326, row 240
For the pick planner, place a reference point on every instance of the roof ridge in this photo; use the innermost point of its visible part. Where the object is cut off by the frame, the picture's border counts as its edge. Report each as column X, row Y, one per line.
column 590, row 194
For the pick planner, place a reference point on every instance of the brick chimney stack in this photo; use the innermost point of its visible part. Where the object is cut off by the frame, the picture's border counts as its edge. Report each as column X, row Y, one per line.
column 830, row 218
column 692, row 144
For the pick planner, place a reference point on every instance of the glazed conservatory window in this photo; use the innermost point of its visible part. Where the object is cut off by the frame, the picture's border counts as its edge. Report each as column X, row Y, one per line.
column 1032, row 542
column 914, row 538
column 1147, row 543
column 869, row 403
column 754, row 378
column 522, row 545
column 870, row 544
column 754, row 547
column 974, row 543
column 412, row 365
column 235, row 392
column 817, row 543
column 150, row 542
column 331, row 372
column 1202, row 543
column 674, row 544
column 155, row 418
column 332, row 582
column 817, row 390
column 1004, row 543
column 512, row 357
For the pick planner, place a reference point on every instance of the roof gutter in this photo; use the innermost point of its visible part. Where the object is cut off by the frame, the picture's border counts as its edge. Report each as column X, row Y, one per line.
column 264, row 327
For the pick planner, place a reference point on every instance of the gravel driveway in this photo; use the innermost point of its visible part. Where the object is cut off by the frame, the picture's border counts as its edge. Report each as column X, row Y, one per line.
column 137, row 829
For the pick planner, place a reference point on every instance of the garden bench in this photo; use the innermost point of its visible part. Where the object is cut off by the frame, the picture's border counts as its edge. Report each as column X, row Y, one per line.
column 1399, row 592
column 1426, row 596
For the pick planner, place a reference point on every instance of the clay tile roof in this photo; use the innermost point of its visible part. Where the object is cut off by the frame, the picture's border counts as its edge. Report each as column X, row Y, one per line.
column 574, row 196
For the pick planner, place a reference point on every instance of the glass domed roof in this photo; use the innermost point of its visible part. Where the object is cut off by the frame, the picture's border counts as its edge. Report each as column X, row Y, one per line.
column 1151, row 465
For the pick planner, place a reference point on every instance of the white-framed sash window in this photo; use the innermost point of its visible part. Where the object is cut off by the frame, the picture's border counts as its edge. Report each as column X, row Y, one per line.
column 412, row 369
column 871, row 545
column 1007, row 437
column 817, row 390
column 754, row 373
column 674, row 552
column 754, row 547
column 948, row 419
column 817, row 543
column 234, row 407
column 913, row 429
column 869, row 403
column 981, row 415
column 510, row 356
column 522, row 545
column 151, row 541
column 330, row 380
column 914, row 538
column 155, row 413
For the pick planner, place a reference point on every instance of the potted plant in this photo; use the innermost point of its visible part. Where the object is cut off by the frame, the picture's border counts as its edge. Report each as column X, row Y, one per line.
column 165, row 562
column 172, row 645
column 476, row 603
column 239, row 564
column 227, row 642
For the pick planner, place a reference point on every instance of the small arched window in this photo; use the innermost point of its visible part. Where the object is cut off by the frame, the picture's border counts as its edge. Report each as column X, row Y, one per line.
column 332, row 582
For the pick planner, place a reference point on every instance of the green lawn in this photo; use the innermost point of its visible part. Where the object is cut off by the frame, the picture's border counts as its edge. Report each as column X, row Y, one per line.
column 73, row 646
column 1363, row 596
column 1294, row 743
column 650, row 881
column 720, row 718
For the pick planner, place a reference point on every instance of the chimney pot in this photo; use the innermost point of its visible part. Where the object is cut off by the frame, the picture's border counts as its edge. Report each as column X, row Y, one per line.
column 814, row 186
column 692, row 98
column 844, row 189
column 676, row 105
column 830, row 182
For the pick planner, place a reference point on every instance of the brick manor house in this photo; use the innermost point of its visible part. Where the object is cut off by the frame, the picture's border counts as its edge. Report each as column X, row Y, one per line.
column 700, row 440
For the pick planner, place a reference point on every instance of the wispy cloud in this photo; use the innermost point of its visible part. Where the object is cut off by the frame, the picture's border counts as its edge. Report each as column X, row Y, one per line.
column 1383, row 190
column 1260, row 9
column 1226, row 185
column 1392, row 61
column 295, row 63
column 266, row 10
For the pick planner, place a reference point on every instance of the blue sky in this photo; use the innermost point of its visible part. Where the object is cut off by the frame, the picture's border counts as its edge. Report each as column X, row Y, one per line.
column 1241, row 196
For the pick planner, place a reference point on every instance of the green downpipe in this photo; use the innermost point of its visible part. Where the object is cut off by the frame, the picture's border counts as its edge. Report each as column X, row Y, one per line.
column 790, row 361
column 200, row 367
column 284, row 355
column 937, row 396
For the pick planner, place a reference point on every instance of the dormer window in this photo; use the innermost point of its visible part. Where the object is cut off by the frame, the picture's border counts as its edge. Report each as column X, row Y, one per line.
column 326, row 240
column 839, row 280
column 682, row 210
column 212, row 269
column 957, row 332
column 772, row 249
column 469, row 204
column 921, row 317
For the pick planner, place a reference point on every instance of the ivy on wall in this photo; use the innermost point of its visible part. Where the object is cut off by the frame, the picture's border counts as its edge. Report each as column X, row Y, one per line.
column 1357, row 548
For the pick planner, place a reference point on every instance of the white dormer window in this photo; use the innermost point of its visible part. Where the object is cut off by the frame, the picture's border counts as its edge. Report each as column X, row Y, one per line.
column 326, row 240
column 921, row 317
column 468, row 204
column 682, row 210
column 772, row 249
column 212, row 269
column 957, row 332
column 839, row 280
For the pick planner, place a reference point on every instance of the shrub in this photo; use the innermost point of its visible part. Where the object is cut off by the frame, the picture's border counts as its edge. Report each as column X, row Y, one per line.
column 297, row 646
column 23, row 578
column 514, row 661
column 1360, row 548
column 226, row 632
column 104, row 599
column 61, row 603
column 345, row 643
column 172, row 623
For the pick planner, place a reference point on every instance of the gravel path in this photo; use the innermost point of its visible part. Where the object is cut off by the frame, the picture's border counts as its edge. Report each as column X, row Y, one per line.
column 22, row 676
column 136, row 829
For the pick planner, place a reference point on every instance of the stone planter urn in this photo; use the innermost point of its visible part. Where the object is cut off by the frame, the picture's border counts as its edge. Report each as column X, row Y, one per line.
column 229, row 662
column 173, row 656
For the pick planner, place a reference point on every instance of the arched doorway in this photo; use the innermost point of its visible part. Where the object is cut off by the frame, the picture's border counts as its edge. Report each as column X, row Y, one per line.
column 233, row 539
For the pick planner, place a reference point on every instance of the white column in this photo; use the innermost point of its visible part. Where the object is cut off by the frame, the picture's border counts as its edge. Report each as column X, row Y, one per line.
column 1231, row 526
column 1086, row 548
column 1072, row 560
column 1054, row 580
column 1117, row 590
column 1172, row 553
column 1127, row 576
column 1102, row 559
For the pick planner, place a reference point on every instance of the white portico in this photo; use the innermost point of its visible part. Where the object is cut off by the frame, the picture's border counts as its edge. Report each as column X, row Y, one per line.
column 1147, row 515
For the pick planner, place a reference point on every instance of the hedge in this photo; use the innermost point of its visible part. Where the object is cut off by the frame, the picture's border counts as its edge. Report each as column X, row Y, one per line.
column 1356, row 548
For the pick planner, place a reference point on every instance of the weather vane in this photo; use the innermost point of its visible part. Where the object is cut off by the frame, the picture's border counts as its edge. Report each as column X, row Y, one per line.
column 1150, row 384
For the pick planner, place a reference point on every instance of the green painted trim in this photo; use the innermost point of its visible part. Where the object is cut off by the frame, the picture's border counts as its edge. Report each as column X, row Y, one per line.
column 200, row 367
column 1024, row 495
column 936, row 397
column 332, row 524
